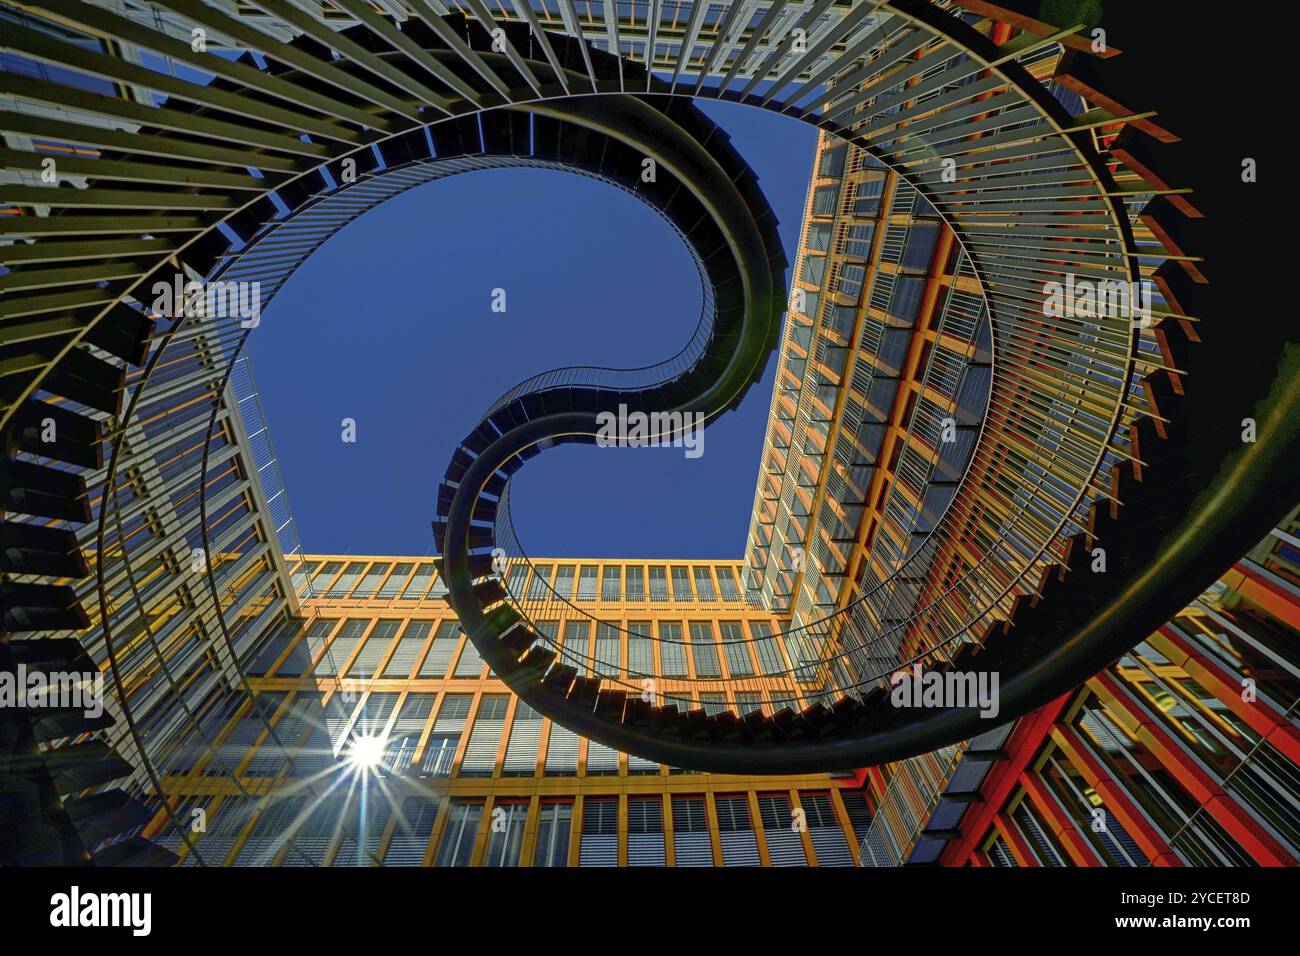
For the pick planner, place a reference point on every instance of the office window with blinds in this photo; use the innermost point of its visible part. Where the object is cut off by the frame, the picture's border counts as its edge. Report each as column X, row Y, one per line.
column 587, row 583
column 232, row 816
column 577, row 636
column 611, row 583
column 309, row 841
column 704, row 651
column 539, row 586
column 658, row 584
column 341, row 648
column 828, row 840
column 373, row 650
column 264, row 843
column 470, row 664
column 280, row 637
column 640, row 650
column 457, row 846
column 602, row 761
column 506, row 832
column 727, row 584
column 1043, row 847
column 736, row 830
column 691, row 843
column 525, row 735
column 516, row 579
column 645, row 832
column 704, row 585
column 370, row 582
column 598, row 845
column 681, row 584
column 338, row 717
column 393, row 585
column 561, row 752
column 279, row 741
column 439, row 589
column 445, row 738
column 564, row 581
column 313, row 755
column 671, row 649
column 739, row 663
column 301, row 574
column 375, row 711
column 554, row 822
column 784, row 844
column 419, row 583
column 299, row 659
column 747, row 702
column 408, row 650
column 769, row 652
column 713, row 703
column 485, row 737
column 439, row 656
column 323, row 576
column 175, row 829
column 346, row 581
column 235, row 745
column 859, row 812
column 608, row 651
column 364, row 827
column 410, row 837
column 635, row 584
column 405, row 735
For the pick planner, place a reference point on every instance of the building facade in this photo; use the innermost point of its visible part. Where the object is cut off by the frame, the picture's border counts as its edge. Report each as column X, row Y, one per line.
column 471, row 775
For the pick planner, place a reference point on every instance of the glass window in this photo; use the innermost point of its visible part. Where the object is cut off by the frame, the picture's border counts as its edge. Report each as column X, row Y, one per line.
column 393, row 586
column 857, row 241
column 769, row 652
column 553, row 823
column 587, row 583
column 819, row 236
column 419, row 584
column 538, row 589
column 640, row 649
column 507, row 833
column 727, row 584
column 370, row 583
column 681, row 585
column 608, row 647
column 824, row 200
column 658, row 584
column 564, row 581
column 611, row 583
column 347, row 579
column 458, row 839
column 814, row 270
column 671, row 649
column 635, row 584
column 703, row 650
column 739, row 663
column 704, row 585
column 576, row 637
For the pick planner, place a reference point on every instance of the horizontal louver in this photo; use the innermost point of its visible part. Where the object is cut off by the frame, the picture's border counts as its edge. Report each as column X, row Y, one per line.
column 411, row 834
column 525, row 737
column 645, row 832
column 408, row 650
column 562, row 751
column 691, row 843
column 599, row 843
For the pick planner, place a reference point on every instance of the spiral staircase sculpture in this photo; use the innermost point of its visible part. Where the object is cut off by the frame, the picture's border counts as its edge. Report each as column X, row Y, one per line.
column 241, row 167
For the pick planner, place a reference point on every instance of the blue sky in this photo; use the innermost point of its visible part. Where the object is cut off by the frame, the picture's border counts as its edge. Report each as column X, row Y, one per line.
column 390, row 324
